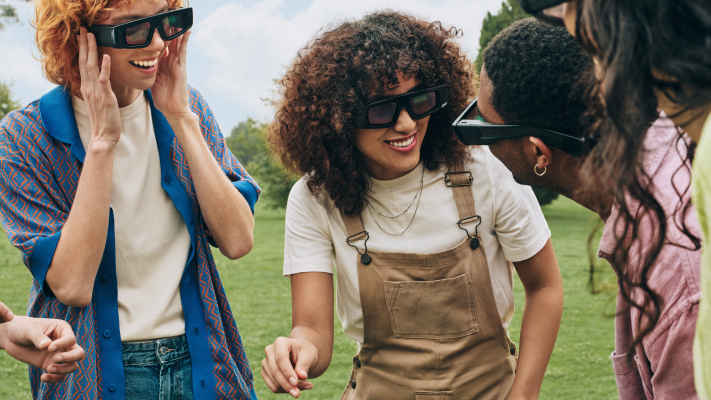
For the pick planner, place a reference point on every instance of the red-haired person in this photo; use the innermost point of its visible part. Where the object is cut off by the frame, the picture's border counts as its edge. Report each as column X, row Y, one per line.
column 114, row 185
column 45, row 343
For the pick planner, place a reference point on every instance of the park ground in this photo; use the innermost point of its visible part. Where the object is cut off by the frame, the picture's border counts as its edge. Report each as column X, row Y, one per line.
column 259, row 294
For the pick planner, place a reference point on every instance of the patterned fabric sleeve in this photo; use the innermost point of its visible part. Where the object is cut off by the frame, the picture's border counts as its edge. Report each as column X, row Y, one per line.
column 31, row 200
column 213, row 136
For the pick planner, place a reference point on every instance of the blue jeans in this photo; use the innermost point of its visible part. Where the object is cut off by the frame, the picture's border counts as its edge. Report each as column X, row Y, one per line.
column 158, row 369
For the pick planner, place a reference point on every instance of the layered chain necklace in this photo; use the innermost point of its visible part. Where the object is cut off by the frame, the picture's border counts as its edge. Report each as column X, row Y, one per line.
column 414, row 202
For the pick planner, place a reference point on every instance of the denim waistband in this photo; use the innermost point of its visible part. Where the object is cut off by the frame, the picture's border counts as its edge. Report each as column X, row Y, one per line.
column 155, row 351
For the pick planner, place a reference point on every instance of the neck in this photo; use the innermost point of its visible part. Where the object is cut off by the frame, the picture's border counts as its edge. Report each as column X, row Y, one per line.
column 692, row 121
column 125, row 96
column 694, row 124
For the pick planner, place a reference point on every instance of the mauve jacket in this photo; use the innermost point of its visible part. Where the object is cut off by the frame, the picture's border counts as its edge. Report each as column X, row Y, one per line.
column 662, row 367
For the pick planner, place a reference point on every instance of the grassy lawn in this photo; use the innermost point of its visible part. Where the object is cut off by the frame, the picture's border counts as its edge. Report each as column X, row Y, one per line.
column 579, row 367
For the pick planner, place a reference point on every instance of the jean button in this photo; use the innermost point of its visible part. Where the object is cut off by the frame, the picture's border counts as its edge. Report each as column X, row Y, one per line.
column 107, row 334
column 112, row 388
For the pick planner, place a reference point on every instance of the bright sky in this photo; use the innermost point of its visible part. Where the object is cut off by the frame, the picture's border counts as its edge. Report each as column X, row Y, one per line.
column 238, row 48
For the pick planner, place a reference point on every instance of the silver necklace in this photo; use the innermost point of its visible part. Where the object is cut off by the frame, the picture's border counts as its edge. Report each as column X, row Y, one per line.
column 415, row 201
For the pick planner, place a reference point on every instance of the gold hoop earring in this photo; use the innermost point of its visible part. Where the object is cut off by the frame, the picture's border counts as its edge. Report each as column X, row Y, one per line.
column 540, row 173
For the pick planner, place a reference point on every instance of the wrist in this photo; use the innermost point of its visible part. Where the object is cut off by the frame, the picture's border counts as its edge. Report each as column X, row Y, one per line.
column 184, row 116
column 100, row 146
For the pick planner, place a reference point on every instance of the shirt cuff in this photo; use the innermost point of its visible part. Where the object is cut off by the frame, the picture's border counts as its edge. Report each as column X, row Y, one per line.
column 41, row 259
column 248, row 191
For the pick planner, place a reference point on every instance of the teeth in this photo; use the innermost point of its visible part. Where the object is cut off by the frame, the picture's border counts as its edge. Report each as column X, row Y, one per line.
column 402, row 143
column 145, row 63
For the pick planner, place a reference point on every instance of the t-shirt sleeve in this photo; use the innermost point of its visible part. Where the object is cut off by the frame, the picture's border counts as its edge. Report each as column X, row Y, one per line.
column 308, row 246
column 519, row 223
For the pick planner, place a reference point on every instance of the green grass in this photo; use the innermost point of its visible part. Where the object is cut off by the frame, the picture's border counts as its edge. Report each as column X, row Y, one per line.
column 260, row 298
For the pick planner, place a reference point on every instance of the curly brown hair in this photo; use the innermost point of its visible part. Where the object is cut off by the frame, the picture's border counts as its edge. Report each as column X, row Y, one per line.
column 332, row 78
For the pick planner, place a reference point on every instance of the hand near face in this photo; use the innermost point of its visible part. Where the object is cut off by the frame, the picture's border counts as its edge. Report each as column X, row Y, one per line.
column 286, row 364
column 170, row 90
column 97, row 93
column 44, row 343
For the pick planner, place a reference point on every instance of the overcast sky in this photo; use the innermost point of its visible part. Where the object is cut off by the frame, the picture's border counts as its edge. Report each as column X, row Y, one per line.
column 238, row 48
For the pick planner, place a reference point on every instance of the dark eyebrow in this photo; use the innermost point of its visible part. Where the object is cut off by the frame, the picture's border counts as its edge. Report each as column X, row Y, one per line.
column 382, row 96
column 129, row 18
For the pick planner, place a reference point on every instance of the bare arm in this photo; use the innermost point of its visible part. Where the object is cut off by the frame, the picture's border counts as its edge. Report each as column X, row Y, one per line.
column 541, row 318
column 81, row 244
column 306, row 353
column 226, row 212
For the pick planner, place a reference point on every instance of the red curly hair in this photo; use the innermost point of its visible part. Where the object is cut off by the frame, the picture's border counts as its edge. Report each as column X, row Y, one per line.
column 57, row 23
column 327, row 86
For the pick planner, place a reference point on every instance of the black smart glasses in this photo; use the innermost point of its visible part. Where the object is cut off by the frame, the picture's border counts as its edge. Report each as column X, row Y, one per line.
column 473, row 129
column 420, row 103
column 139, row 33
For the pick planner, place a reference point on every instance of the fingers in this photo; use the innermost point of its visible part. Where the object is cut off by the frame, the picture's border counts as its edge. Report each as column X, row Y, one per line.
column 5, row 313
column 74, row 355
column 81, row 42
column 278, row 364
column 61, row 334
column 268, row 380
column 92, row 57
column 105, row 74
column 51, row 378
column 184, row 45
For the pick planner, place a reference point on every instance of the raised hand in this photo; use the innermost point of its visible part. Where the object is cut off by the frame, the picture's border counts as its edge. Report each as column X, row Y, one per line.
column 170, row 90
column 97, row 93
column 45, row 343
column 286, row 365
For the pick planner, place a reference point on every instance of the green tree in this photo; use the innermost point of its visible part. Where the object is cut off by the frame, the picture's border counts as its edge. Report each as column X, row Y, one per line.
column 247, row 141
column 510, row 12
column 7, row 104
column 494, row 23
column 7, row 13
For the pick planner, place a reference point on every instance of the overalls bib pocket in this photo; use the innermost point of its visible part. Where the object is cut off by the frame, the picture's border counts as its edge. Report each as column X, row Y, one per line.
column 436, row 309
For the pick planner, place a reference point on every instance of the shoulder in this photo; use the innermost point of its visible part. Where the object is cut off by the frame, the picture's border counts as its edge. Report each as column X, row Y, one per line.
column 22, row 128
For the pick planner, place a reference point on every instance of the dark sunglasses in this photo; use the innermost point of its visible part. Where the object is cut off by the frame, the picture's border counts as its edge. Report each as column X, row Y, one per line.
column 551, row 11
column 473, row 129
column 139, row 33
column 384, row 113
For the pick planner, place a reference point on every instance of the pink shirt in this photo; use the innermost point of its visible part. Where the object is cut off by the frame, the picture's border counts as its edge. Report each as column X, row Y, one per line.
column 662, row 368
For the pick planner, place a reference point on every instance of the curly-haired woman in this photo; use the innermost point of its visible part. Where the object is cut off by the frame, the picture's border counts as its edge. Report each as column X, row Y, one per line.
column 421, row 229
column 112, row 192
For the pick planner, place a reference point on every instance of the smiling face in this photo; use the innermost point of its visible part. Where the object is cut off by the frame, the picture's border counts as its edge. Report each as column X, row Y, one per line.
column 392, row 152
column 134, row 70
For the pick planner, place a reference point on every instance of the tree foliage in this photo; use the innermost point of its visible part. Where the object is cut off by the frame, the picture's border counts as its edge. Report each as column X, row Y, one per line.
column 247, row 141
column 494, row 23
column 7, row 104
column 510, row 12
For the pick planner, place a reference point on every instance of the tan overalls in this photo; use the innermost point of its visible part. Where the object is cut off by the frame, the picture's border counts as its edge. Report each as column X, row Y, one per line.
column 432, row 329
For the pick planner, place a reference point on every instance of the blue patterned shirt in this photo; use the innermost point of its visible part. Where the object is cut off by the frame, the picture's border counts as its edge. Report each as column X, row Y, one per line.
column 41, row 157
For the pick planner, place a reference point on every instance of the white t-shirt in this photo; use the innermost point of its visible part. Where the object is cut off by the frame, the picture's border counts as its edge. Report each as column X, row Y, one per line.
column 512, row 229
column 152, row 241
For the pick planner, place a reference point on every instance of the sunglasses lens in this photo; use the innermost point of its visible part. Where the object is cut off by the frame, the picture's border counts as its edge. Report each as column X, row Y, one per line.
column 138, row 34
column 423, row 103
column 381, row 114
column 174, row 25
